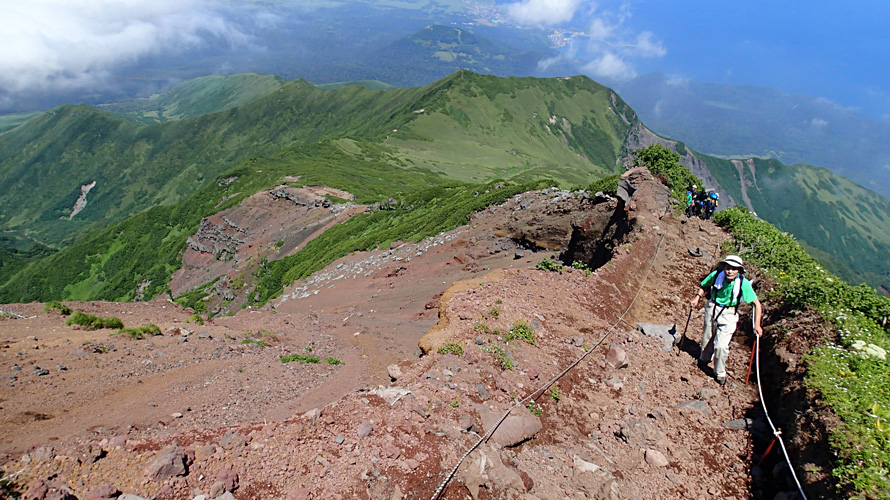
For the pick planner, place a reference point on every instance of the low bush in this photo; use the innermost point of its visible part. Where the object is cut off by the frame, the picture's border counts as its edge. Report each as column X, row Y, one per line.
column 62, row 308
column 300, row 358
column 521, row 330
column 91, row 322
column 149, row 330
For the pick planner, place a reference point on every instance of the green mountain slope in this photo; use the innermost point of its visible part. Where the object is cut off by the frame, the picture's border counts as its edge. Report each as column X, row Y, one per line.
column 45, row 162
column 847, row 226
column 196, row 97
column 155, row 183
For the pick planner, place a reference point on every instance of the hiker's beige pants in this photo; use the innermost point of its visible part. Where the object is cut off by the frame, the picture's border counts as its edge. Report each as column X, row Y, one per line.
column 717, row 346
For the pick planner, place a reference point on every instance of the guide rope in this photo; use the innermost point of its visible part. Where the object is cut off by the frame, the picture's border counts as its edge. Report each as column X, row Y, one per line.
column 537, row 392
column 777, row 433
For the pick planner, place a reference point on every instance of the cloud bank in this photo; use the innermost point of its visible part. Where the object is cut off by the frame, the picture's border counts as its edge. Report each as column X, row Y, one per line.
column 76, row 44
column 607, row 49
column 548, row 12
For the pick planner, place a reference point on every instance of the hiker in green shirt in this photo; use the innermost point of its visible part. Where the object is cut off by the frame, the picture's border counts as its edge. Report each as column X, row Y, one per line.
column 727, row 287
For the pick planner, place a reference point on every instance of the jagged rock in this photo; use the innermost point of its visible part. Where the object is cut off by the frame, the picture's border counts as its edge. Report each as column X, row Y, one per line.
column 364, row 429
column 395, row 372
column 668, row 334
column 170, row 462
column 655, row 458
column 643, row 432
column 228, row 478
column 515, row 429
column 616, row 357
column 43, row 454
column 698, row 405
column 104, row 492
column 486, row 468
column 232, row 440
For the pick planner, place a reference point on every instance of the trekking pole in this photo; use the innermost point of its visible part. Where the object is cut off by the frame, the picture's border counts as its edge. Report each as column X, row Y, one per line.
column 753, row 351
column 683, row 338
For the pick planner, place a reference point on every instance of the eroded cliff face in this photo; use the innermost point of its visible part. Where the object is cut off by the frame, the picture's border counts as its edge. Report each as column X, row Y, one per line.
column 271, row 224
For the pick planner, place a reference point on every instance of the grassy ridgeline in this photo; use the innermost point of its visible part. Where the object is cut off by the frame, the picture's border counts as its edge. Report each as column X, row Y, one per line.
column 851, row 373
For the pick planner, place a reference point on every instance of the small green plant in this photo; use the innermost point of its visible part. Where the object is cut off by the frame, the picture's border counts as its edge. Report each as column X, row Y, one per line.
column 500, row 355
column 554, row 392
column 299, row 357
column 455, row 403
column 333, row 361
column 279, row 244
column 91, row 322
column 535, row 409
column 258, row 343
column 549, row 265
column 582, row 266
column 196, row 318
column 481, row 327
column 149, row 330
column 307, row 349
column 521, row 330
column 494, row 312
column 62, row 308
column 451, row 348
column 240, row 370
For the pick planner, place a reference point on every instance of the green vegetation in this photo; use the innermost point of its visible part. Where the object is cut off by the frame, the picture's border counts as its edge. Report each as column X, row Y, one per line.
column 494, row 312
column 196, row 318
column 851, row 372
column 549, row 265
column 455, row 403
column 500, row 355
column 608, row 185
column 299, row 357
column 258, row 343
column 451, row 348
column 149, row 330
column 62, row 308
column 333, row 361
column 582, row 266
column 661, row 160
column 535, row 409
column 91, row 322
column 555, row 393
column 521, row 330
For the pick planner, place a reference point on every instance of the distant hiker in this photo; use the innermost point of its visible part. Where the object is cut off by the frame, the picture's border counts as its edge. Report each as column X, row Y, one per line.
column 710, row 205
column 690, row 199
column 727, row 287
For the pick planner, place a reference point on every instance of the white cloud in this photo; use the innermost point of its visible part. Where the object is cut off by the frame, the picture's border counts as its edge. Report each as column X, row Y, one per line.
column 549, row 12
column 67, row 44
column 610, row 66
column 818, row 123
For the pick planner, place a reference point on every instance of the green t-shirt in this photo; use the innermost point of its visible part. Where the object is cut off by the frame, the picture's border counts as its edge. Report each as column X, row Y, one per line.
column 724, row 294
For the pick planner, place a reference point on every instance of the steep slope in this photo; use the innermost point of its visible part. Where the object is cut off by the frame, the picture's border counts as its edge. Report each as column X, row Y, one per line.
column 134, row 168
column 741, row 121
column 196, row 97
column 653, row 428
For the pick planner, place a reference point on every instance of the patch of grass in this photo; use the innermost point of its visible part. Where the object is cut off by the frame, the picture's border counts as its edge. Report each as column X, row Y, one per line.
column 456, row 402
column 451, row 348
column 258, row 343
column 535, row 409
column 481, row 327
column 299, row 357
column 521, row 330
column 196, row 318
column 149, row 330
column 333, row 361
column 549, row 265
column 494, row 312
column 91, row 322
column 62, row 308
column 555, row 393
column 582, row 266
column 500, row 355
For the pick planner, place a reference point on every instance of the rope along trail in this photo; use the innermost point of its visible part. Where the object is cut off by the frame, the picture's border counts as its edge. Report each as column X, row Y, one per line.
column 777, row 433
column 547, row 384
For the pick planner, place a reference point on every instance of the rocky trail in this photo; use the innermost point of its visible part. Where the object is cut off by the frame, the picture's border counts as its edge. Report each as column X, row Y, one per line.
column 420, row 350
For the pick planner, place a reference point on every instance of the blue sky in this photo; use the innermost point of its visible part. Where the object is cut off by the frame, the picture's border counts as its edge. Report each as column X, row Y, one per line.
column 820, row 48
column 830, row 49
